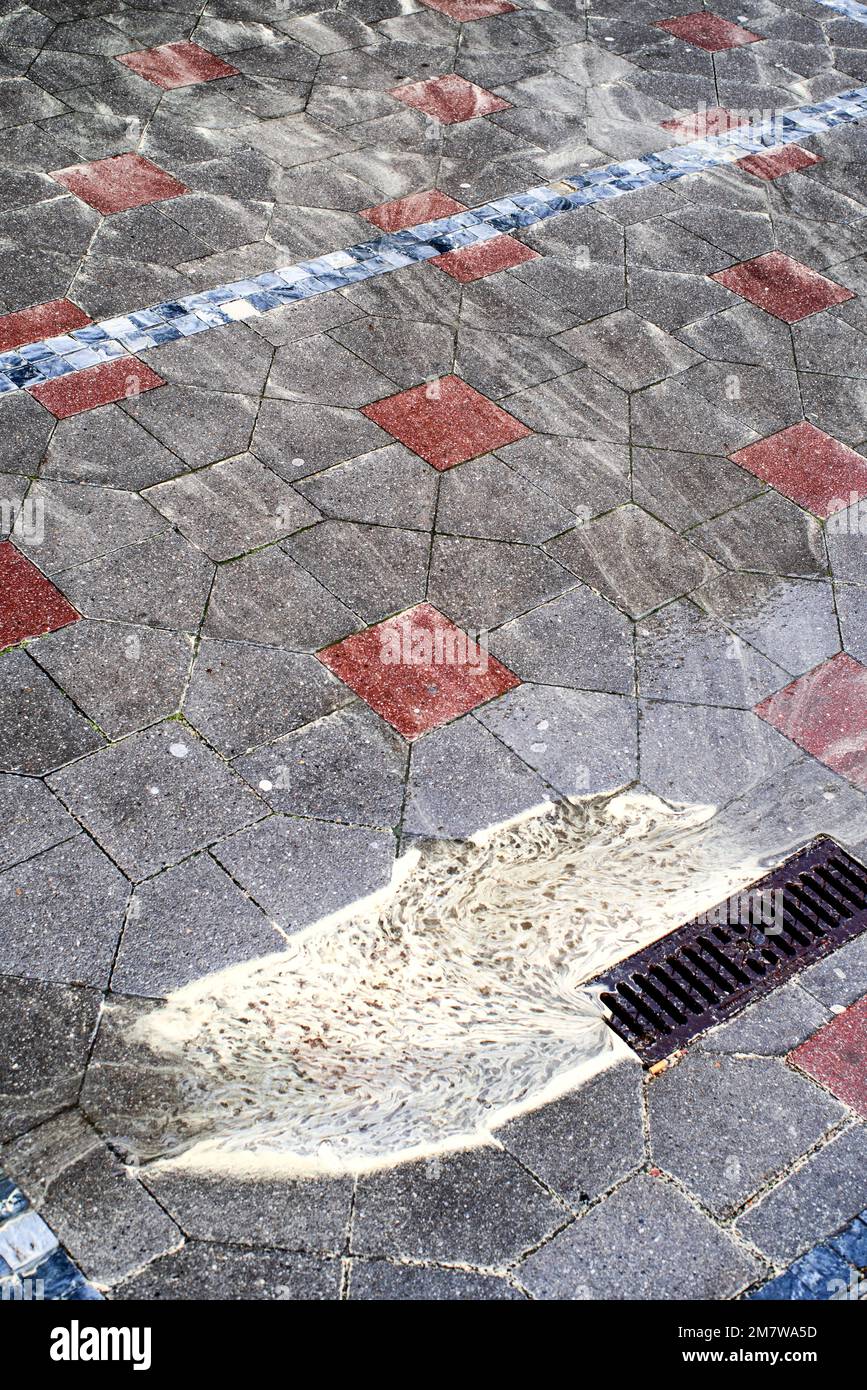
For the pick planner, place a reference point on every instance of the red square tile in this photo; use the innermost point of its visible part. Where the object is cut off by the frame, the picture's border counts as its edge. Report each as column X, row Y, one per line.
column 708, row 31
column 836, row 1056
column 117, row 184
column 446, row 421
column 450, row 98
column 473, row 262
column 698, row 125
column 466, row 10
column 176, row 65
column 805, row 464
column 29, row 603
column 774, row 163
column 40, row 321
column 409, row 212
column 782, row 286
column 418, row 670
column 825, row 712
column 118, row 380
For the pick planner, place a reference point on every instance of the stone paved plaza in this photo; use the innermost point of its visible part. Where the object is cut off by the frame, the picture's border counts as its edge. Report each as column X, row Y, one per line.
column 607, row 450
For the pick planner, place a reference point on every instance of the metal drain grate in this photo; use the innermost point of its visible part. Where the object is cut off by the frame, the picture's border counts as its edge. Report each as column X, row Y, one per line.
column 711, row 968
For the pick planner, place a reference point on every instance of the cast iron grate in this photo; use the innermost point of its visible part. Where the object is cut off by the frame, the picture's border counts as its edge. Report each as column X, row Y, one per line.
column 711, row 968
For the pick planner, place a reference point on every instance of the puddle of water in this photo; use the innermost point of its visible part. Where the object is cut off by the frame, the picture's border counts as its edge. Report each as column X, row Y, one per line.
column 418, row 1024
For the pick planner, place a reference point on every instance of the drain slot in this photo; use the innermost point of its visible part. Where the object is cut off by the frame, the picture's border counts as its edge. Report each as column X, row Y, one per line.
column 711, row 968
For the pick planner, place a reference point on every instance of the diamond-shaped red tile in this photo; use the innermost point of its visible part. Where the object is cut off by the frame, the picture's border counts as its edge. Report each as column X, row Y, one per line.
column 825, row 712
column 697, row 125
column 473, row 262
column 450, row 98
column 40, row 321
column 774, row 163
column 117, row 184
column 30, row 605
column 466, row 10
column 446, row 421
column 121, row 379
column 176, row 65
column 836, row 1056
column 805, row 464
column 708, row 31
column 784, row 287
column 409, row 212
column 418, row 670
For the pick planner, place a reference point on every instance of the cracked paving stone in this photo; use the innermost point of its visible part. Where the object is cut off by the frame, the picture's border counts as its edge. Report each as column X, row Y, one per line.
column 585, row 1142
column 242, row 695
column 685, row 654
column 767, row 533
column 628, row 350
column 185, row 923
column 200, row 426
column 581, row 742
column 812, row 1202
column 104, row 1217
column 578, row 640
column 31, row 819
column 477, row 1208
column 83, row 523
column 485, row 498
column 743, row 333
column 40, row 728
column 463, row 780
column 45, row 1035
column 390, row 487
column 161, row 583
column 587, row 476
column 374, row 570
column 685, row 489
column 300, row 871
column 232, row 507
column 314, row 374
column 210, row 1272
column 727, row 1125
column 707, row 754
column 647, row 1241
column 405, row 352
column 672, row 301
column 349, row 766
column 480, row 584
column 773, row 1026
column 268, row 598
column 107, row 446
column 122, row 676
column 62, row 913
column 156, row 797
column 632, row 559
column 296, row 438
column 790, row 621
column 380, row 1281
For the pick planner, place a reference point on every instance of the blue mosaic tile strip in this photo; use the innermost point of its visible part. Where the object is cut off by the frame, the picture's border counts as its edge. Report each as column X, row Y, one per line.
column 850, row 8
column 33, row 1266
column 33, row 363
column 836, row 1269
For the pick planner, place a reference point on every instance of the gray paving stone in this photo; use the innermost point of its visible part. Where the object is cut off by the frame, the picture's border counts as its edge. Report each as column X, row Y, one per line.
column 480, row 584
column 840, row 978
column 405, row 352
column 632, row 559
column 296, row 438
column 812, row 1202
column 768, row 533
column 349, row 766
column 82, row 523
column 485, row 498
column 280, row 1213
column 852, row 611
column 477, row 1208
column 13, row 490
column 585, row 1142
column 462, row 781
column 381, row 1281
column 846, row 533
column 628, row 350
column 185, row 923
column 581, row 742
column 836, row 405
column 200, row 426
column 672, row 301
column 122, row 676
column 790, row 621
column 27, row 427
column 508, row 362
column 726, row 1126
column 312, row 375
column 773, row 1026
column 207, row 1271
column 31, row 819
column 45, row 1033
column 107, row 446
column 232, row 507
column 675, row 415
column 39, row 728
column 302, row 870
column 582, row 401
column 390, row 487
column 230, row 359
column 267, row 598
column 646, row 1242
column 743, row 333
column 587, row 476
column 157, row 796
column 374, row 570
column 683, row 653
column 577, row 640
column 707, row 755
column 106, row 1220
column 686, row 489
column 242, row 694
column 161, row 583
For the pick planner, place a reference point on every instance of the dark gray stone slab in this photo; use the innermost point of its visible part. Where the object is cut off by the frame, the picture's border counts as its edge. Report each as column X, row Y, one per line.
column 380, row 1281
column 45, row 1036
column 773, row 1026
column 107, row 446
column 685, row 654
column 208, row 1272
column 296, row 438
column 708, row 754
column 480, row 584
column 790, row 621
column 390, row 487
column 587, row 476
column 200, row 426
column 768, row 533
column 628, row 350
column 269, row 599
column 83, row 523
column 686, row 489
column 840, row 978
column 31, row 820
column 374, row 570
column 577, row 640
column 312, row 375
column 163, row 583
column 485, row 498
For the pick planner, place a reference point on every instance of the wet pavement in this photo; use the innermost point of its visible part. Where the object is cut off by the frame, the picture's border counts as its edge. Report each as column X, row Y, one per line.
column 301, row 568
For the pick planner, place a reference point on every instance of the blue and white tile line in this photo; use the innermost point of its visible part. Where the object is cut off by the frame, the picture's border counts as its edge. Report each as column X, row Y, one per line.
column 33, row 1266
column 29, row 365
